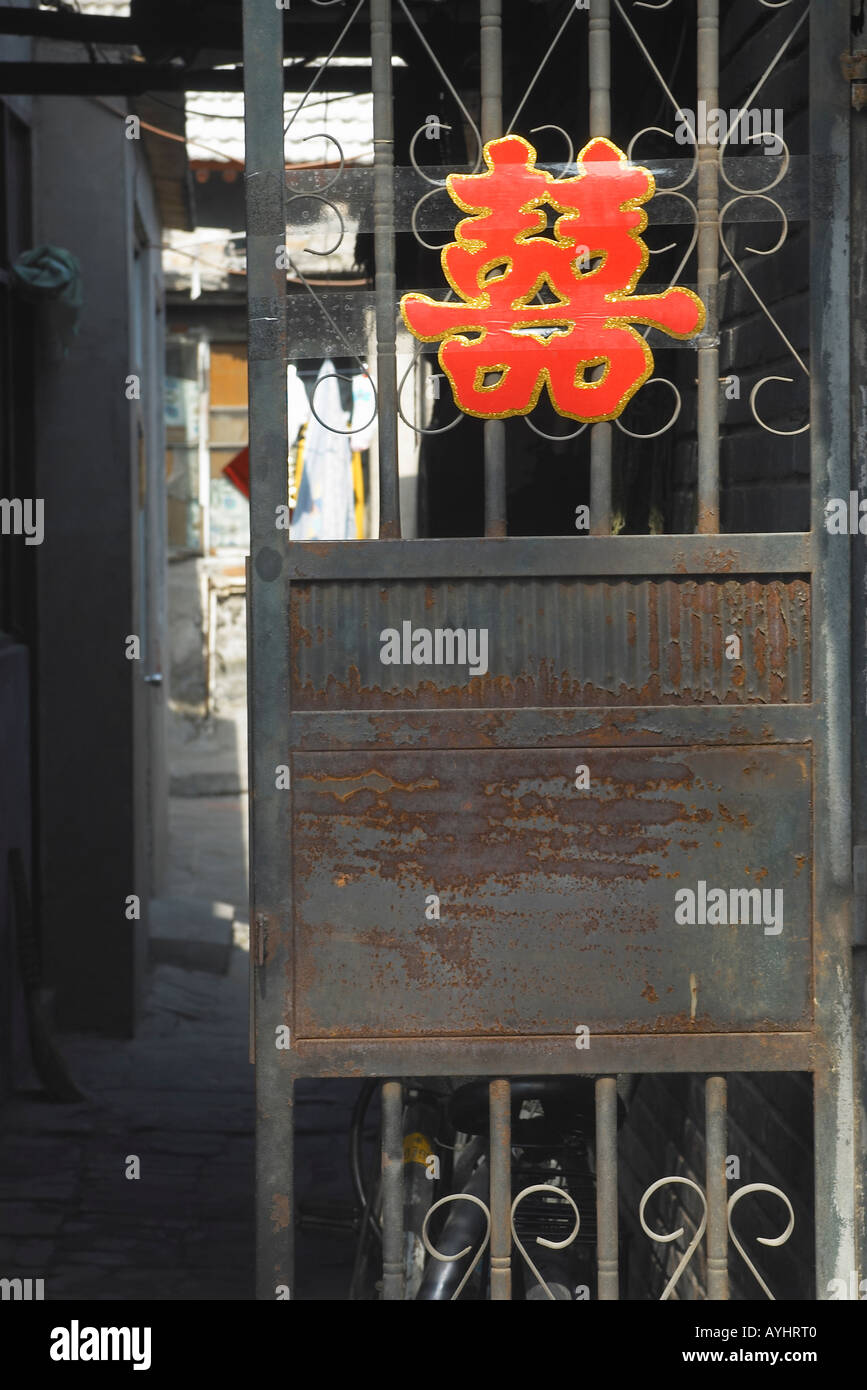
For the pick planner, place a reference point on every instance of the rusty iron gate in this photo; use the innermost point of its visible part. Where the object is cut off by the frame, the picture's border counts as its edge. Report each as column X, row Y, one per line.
column 376, row 786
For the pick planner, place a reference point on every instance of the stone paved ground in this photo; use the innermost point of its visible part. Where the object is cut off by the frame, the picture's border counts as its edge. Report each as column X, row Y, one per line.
column 179, row 1096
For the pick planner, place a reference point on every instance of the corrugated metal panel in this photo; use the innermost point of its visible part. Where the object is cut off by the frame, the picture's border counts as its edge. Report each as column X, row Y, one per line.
column 556, row 643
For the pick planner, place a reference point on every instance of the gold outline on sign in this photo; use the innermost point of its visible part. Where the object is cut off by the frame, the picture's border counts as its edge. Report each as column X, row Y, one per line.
column 614, row 297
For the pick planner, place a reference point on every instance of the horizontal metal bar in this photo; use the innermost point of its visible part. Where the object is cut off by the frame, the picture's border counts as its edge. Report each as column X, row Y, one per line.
column 647, row 726
column 127, row 79
column 513, row 556
column 526, row 1056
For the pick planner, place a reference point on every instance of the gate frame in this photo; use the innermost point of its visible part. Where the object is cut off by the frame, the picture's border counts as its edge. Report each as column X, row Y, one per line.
column 829, row 1050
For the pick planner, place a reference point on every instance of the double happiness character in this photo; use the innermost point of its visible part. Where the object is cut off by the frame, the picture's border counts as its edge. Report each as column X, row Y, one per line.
column 502, row 258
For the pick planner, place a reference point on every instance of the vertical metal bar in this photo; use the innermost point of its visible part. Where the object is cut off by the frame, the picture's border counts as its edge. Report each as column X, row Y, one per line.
column 385, row 282
column 392, row 1190
column 269, row 651
column 601, row 435
column 834, row 1120
column 859, row 645
column 607, row 1279
column 500, row 1101
column 599, row 64
column 715, row 1187
column 491, row 51
column 601, row 441
column 708, row 275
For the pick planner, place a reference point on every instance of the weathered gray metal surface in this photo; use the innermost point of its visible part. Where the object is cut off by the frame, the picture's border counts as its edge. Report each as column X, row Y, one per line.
column 551, row 643
column 491, row 95
column 384, row 251
column 606, row 1188
column 707, row 35
column 268, row 648
column 715, row 1187
column 778, row 553
column 834, row 1117
column 599, row 79
column 557, row 906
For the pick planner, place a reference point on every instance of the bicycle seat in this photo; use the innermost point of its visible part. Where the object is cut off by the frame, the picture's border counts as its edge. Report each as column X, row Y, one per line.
column 565, row 1104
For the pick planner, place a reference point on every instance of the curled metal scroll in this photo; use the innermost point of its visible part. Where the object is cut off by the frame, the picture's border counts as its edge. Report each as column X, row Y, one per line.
column 339, row 376
column 418, row 429
column 675, row 187
column 657, row 251
column 566, row 136
column 450, row 1259
column 769, row 251
column 667, row 426
column 318, row 198
column 758, row 419
column 542, row 1240
column 349, row 352
column 555, row 438
column 759, row 251
column 437, row 183
column 644, row 5
column 759, row 135
column 441, row 188
column 323, row 135
column 763, row 1240
column 666, row 1239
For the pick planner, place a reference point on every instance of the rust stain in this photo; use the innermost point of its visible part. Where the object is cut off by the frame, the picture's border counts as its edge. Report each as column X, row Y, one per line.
column 372, row 780
column 672, row 640
column 649, row 993
column 280, row 1211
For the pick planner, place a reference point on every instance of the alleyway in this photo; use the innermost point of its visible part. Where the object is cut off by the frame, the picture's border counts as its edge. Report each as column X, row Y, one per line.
column 179, row 1097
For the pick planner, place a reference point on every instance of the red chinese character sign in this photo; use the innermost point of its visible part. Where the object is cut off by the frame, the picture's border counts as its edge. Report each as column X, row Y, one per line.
column 503, row 261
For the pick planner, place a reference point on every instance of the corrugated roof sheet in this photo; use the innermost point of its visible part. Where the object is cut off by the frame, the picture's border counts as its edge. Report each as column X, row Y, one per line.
column 215, row 126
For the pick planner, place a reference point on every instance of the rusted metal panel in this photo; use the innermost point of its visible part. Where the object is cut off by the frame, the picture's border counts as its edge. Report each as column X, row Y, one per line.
column 557, row 906
column 550, row 643
column 687, row 1050
column 467, row 558
column 677, row 725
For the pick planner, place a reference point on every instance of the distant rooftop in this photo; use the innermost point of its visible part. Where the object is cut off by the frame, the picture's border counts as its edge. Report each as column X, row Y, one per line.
column 215, row 126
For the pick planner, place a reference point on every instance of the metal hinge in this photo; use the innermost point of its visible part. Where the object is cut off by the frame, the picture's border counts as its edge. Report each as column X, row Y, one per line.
column 854, row 69
column 859, row 906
